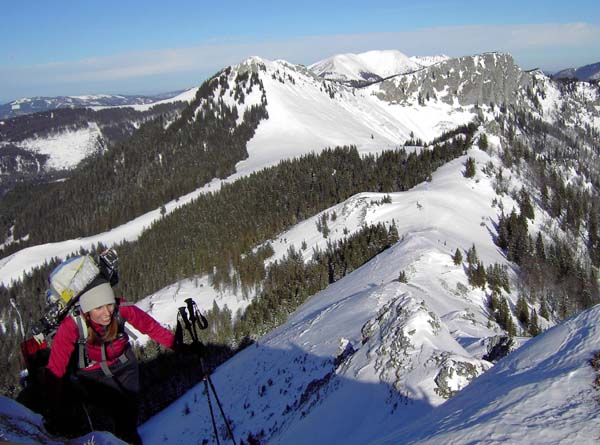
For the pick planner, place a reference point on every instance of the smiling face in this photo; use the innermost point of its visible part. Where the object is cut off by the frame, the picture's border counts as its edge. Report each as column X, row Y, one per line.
column 103, row 314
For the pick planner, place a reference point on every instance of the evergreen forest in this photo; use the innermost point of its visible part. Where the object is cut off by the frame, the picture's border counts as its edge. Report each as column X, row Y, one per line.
column 160, row 162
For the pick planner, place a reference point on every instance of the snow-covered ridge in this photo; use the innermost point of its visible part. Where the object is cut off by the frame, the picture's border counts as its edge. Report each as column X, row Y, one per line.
column 308, row 114
column 368, row 341
column 183, row 96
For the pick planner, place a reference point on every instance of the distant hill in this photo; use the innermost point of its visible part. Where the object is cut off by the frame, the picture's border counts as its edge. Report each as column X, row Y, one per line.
column 587, row 72
column 39, row 144
column 29, row 105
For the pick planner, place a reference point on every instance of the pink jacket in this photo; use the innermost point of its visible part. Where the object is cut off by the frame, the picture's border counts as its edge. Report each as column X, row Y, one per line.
column 65, row 340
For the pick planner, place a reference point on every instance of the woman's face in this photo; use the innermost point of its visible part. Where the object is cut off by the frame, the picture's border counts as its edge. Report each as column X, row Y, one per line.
column 103, row 314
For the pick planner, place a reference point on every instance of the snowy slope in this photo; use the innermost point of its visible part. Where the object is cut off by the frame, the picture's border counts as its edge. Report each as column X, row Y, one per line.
column 444, row 322
column 541, row 394
column 308, row 394
column 67, row 149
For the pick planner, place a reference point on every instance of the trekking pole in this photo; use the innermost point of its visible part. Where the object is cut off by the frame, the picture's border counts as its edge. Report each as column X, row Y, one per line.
column 183, row 319
column 87, row 416
column 195, row 321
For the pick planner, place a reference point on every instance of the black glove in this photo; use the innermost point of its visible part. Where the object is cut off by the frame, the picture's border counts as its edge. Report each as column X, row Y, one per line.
column 186, row 349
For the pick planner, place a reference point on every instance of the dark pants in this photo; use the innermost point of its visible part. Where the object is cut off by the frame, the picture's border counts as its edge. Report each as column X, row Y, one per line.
column 113, row 400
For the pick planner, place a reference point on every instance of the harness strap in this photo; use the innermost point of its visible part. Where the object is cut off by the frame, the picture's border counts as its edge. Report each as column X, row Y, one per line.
column 103, row 364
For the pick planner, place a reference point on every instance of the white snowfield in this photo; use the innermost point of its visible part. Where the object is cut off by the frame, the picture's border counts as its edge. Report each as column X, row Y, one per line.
column 540, row 394
column 65, row 150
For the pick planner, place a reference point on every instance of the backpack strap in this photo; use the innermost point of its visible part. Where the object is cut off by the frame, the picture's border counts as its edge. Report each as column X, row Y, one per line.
column 83, row 360
column 121, row 320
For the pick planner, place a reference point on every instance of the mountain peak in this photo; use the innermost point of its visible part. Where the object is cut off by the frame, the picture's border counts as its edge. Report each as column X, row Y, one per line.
column 371, row 65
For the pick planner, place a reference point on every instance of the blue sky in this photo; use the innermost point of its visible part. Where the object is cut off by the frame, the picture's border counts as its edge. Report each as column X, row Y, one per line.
column 69, row 47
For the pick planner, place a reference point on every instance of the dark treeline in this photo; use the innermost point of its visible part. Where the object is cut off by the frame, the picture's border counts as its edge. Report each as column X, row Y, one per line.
column 558, row 271
column 552, row 273
column 216, row 234
column 20, row 166
column 115, row 123
column 154, row 166
column 210, row 235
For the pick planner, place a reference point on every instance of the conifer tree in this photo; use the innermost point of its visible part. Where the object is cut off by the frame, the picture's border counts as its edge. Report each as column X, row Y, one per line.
column 593, row 241
column 470, row 168
column 540, row 249
column 457, row 257
column 402, row 278
column 504, row 318
column 472, row 255
column 522, row 310
column 526, row 208
column 483, row 142
column 544, row 309
column 534, row 326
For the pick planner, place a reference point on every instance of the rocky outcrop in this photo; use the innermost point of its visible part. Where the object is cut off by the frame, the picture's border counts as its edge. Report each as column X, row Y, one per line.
column 412, row 350
column 481, row 79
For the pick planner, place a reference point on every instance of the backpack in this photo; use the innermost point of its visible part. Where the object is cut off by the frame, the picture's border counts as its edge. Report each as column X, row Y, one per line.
column 65, row 284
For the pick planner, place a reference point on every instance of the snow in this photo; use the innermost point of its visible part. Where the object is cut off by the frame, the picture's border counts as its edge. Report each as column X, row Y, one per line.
column 65, row 150
column 429, row 60
column 306, row 346
column 542, row 392
column 369, row 359
column 187, row 96
column 352, row 66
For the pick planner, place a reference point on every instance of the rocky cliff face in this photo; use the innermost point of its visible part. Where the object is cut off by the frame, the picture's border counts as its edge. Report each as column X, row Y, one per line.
column 481, row 79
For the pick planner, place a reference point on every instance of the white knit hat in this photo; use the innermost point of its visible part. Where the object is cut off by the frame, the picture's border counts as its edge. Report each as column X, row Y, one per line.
column 96, row 296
